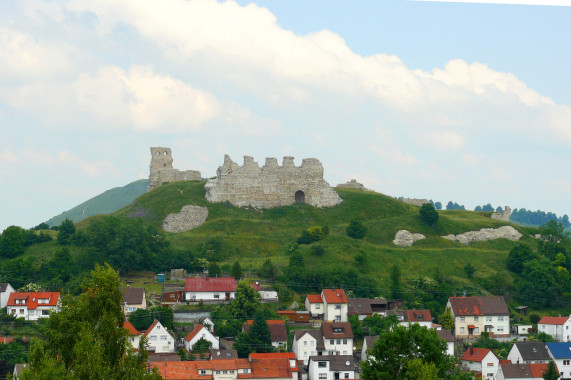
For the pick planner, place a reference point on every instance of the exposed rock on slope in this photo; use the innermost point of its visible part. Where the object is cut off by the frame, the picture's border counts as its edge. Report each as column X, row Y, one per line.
column 187, row 219
column 405, row 238
column 507, row 232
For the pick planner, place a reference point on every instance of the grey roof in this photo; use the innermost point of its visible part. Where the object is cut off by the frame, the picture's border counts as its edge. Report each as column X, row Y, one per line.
column 370, row 340
column 445, row 335
column 223, row 354
column 133, row 296
column 336, row 362
column 516, row 371
column 359, row 306
column 314, row 333
column 532, row 351
column 3, row 286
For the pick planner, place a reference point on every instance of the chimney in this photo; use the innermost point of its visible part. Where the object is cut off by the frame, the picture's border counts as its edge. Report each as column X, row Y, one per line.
column 471, row 350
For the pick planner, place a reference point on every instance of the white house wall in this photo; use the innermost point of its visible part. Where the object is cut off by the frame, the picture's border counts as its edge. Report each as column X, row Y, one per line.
column 208, row 296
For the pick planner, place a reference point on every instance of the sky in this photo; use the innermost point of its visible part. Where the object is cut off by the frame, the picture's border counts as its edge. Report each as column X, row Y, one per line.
column 457, row 100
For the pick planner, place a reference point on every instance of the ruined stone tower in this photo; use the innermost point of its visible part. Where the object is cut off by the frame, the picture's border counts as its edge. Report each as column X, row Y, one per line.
column 161, row 170
column 271, row 185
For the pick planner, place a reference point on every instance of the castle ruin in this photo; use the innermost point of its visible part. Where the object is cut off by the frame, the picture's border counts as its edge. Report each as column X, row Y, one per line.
column 163, row 172
column 271, row 185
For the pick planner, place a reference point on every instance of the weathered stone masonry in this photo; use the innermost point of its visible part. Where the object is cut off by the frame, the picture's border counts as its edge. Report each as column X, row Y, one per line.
column 271, row 185
column 162, row 170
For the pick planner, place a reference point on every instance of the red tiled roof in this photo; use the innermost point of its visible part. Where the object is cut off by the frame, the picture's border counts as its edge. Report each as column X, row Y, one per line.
column 277, row 355
column 468, row 306
column 151, row 327
column 553, row 320
column 334, row 295
column 418, row 315
column 314, row 298
column 193, row 333
column 31, row 299
column 5, row 339
column 132, row 330
column 537, row 369
column 210, row 284
column 271, row 368
column 256, row 287
column 477, row 355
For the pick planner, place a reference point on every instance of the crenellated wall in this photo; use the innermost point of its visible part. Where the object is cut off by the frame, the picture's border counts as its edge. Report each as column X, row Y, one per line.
column 271, row 185
column 161, row 170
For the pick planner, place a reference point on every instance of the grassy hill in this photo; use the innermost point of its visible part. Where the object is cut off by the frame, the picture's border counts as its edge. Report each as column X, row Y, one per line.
column 105, row 203
column 255, row 235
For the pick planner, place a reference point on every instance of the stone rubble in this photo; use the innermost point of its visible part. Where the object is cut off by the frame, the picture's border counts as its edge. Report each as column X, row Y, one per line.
column 187, row 219
column 404, row 238
column 507, row 232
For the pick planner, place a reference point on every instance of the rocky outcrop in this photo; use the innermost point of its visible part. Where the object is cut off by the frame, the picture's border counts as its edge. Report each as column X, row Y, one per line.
column 415, row 201
column 271, row 185
column 405, row 238
column 187, row 219
column 353, row 184
column 506, row 232
column 504, row 216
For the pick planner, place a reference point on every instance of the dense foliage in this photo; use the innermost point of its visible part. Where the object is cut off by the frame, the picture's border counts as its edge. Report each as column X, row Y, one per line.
column 428, row 214
column 538, row 217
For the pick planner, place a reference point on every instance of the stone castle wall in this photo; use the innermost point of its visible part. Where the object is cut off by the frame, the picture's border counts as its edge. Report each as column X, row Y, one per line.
column 271, row 185
column 504, row 216
column 161, row 170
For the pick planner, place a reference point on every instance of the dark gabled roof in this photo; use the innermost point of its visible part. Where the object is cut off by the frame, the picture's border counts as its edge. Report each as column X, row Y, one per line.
column 532, row 350
column 370, row 340
column 314, row 333
column 336, row 362
column 328, row 330
column 133, row 296
column 223, row 354
column 3, row 286
column 445, row 335
column 359, row 306
column 468, row 306
column 516, row 371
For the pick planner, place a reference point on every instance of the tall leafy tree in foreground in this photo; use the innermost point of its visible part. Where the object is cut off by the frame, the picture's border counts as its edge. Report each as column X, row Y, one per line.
column 86, row 339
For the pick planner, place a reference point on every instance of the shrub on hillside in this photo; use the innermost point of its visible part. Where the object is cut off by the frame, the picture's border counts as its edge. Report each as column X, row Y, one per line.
column 356, row 230
column 428, row 214
column 313, row 234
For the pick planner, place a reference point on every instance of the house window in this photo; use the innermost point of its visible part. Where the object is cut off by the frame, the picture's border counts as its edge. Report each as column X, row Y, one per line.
column 332, row 341
column 323, row 376
column 475, row 319
column 312, row 343
column 217, row 296
column 461, row 329
column 153, row 337
column 346, row 375
column 318, row 306
column 338, row 341
column 462, row 319
column 477, row 330
column 322, row 364
column 490, row 375
column 337, row 318
column 337, row 307
column 344, row 352
column 163, row 337
column 21, row 311
column 224, row 372
column 203, row 372
column 500, row 329
column 490, row 364
column 565, row 362
column 218, row 372
column 344, row 341
column 488, row 319
column 500, row 319
column 305, row 342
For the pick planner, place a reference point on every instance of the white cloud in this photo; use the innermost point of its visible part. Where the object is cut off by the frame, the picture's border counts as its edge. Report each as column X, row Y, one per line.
column 562, row 3
column 441, row 140
column 471, row 159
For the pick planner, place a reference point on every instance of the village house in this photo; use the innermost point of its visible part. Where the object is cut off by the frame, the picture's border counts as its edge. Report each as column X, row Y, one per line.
column 528, row 352
column 134, row 334
column 277, row 329
column 408, row 317
column 314, row 304
column 333, row 338
column 482, row 361
column 532, row 371
column 557, row 327
column 368, row 343
column 159, row 339
column 5, row 290
column 447, row 337
column 560, row 352
column 200, row 332
column 33, row 305
column 335, row 305
column 331, row 367
column 366, row 307
column 472, row 315
column 134, row 299
column 210, row 288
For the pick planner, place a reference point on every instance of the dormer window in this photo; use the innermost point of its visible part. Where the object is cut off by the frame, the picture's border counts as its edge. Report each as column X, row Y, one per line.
column 419, row 317
column 338, row 330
